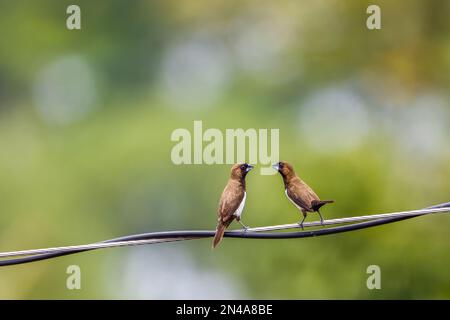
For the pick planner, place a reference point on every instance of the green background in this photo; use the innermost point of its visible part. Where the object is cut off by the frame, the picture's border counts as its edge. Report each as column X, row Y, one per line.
column 85, row 123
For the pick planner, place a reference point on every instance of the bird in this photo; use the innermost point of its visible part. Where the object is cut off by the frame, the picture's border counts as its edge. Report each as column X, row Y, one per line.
column 298, row 192
column 232, row 201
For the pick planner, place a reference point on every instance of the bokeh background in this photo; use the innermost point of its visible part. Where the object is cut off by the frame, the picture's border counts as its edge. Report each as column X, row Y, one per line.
column 86, row 118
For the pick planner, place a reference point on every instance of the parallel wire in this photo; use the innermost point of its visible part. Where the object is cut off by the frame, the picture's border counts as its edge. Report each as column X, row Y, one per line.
column 90, row 246
column 233, row 233
column 352, row 219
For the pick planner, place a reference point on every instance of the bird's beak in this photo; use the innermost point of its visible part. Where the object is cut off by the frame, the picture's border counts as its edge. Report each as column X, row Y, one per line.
column 249, row 167
column 276, row 166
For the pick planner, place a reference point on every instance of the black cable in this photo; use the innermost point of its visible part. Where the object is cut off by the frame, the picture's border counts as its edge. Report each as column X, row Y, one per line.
column 234, row 234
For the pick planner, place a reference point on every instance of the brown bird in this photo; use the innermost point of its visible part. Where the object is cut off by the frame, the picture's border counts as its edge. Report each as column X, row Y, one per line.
column 300, row 194
column 232, row 200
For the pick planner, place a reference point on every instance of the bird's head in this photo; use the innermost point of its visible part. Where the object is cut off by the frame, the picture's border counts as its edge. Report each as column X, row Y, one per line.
column 284, row 168
column 240, row 170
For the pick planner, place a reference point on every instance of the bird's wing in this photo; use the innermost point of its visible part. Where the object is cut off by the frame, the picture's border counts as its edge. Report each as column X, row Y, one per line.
column 298, row 201
column 230, row 201
column 310, row 193
column 301, row 194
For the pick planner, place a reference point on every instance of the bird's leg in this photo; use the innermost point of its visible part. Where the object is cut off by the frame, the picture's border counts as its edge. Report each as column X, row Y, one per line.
column 241, row 223
column 321, row 218
column 303, row 220
column 301, row 223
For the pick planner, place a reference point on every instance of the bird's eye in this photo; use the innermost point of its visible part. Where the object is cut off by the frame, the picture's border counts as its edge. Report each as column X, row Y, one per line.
column 243, row 167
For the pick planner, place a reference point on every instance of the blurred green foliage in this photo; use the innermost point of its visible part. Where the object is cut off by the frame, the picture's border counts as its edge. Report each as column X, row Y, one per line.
column 72, row 177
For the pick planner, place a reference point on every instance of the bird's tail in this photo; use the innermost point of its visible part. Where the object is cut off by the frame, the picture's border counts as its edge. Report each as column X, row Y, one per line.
column 219, row 234
column 317, row 204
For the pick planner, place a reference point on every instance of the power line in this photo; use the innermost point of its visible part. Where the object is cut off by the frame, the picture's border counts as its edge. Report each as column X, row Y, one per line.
column 257, row 229
column 254, row 233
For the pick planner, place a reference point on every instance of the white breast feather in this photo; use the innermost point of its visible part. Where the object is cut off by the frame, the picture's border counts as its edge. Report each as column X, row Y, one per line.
column 238, row 211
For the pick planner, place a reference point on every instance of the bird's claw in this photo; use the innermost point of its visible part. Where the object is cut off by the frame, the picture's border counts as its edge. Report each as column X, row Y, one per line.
column 301, row 225
column 244, row 227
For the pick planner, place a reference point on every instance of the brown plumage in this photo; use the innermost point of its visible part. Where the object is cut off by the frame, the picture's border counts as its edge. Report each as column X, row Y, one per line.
column 232, row 200
column 303, row 197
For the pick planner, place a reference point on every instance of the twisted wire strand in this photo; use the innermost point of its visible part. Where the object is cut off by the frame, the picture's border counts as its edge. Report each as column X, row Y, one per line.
column 121, row 242
column 254, row 233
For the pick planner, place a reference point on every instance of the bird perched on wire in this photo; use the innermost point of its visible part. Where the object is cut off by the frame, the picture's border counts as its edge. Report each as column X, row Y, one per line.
column 300, row 194
column 232, row 200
